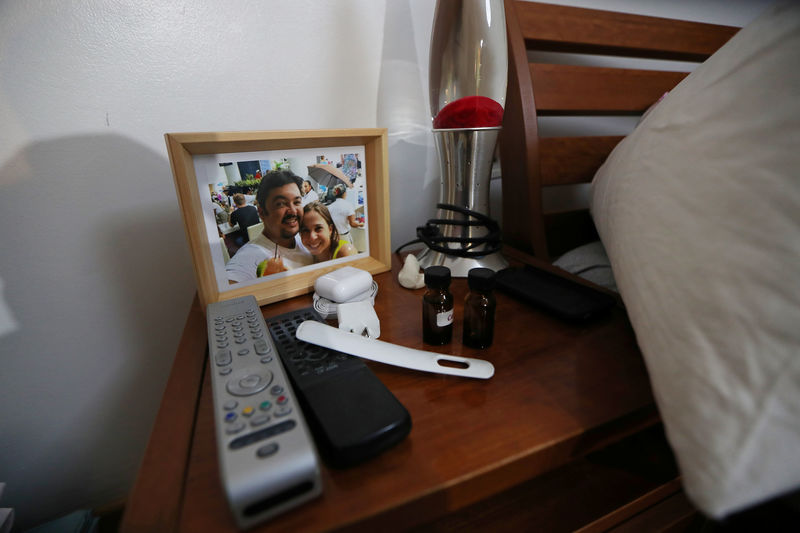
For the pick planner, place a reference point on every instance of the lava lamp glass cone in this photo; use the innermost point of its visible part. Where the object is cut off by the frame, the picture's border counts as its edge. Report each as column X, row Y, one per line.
column 467, row 80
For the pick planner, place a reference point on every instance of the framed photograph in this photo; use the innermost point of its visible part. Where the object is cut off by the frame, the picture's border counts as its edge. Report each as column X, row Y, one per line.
column 268, row 212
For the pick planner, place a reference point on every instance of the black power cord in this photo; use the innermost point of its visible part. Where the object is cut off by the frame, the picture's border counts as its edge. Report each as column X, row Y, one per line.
column 431, row 234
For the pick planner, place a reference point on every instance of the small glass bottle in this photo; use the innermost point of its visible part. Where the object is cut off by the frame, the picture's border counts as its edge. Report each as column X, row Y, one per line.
column 479, row 306
column 437, row 307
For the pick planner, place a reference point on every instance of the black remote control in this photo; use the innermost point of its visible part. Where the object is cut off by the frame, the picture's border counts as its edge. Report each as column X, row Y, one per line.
column 562, row 297
column 351, row 413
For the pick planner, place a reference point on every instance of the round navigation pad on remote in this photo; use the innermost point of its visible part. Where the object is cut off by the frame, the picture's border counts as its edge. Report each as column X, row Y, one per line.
column 248, row 381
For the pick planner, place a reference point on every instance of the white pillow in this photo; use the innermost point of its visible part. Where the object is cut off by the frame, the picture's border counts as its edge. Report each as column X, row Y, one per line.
column 699, row 210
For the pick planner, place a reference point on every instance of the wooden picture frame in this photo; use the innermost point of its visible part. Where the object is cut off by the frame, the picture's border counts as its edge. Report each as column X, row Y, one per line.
column 189, row 152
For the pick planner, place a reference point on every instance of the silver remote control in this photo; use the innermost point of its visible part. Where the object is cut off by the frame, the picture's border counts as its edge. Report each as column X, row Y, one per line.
column 268, row 463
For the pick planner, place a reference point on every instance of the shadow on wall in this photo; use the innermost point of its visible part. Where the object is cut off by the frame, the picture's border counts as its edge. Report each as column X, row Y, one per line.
column 97, row 273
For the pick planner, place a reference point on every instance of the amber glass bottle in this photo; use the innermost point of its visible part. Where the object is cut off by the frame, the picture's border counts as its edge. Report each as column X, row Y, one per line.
column 479, row 306
column 437, row 307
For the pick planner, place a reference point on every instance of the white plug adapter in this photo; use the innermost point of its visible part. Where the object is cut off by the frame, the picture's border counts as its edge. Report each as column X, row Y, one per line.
column 359, row 318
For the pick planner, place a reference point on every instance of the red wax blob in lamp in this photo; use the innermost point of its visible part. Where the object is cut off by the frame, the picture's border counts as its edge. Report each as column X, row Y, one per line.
column 469, row 112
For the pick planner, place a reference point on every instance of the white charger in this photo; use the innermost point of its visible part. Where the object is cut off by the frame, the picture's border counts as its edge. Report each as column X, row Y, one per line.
column 343, row 284
column 359, row 318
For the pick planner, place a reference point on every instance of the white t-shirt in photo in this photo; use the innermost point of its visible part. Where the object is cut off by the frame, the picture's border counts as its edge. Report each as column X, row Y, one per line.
column 244, row 264
column 312, row 196
column 340, row 210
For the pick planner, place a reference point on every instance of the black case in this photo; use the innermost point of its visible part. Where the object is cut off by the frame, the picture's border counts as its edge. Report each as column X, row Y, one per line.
column 562, row 297
column 350, row 412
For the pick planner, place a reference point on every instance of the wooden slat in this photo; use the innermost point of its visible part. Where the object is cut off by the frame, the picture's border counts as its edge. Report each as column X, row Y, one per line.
column 535, row 90
column 571, row 160
column 519, row 150
column 570, row 89
column 574, row 29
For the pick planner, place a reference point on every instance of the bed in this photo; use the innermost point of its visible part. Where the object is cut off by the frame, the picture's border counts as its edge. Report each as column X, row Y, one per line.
column 696, row 213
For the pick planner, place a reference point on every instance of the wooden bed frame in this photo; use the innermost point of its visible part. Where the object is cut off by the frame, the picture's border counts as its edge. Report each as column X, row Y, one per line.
column 530, row 162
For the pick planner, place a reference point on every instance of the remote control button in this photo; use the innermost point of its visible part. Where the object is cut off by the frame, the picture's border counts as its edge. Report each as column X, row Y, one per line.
column 230, row 417
column 237, row 328
column 230, row 405
column 267, row 359
column 223, row 357
column 248, row 411
column 248, row 381
column 235, row 428
column 262, row 434
column 225, row 371
column 315, row 353
column 276, row 390
column 265, row 405
column 261, row 346
column 259, row 420
column 244, row 351
column 283, row 410
column 241, row 340
column 222, row 343
column 267, row 450
column 282, row 400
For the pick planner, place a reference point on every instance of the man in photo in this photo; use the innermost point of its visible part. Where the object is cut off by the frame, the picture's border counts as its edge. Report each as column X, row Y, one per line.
column 244, row 215
column 309, row 194
column 278, row 248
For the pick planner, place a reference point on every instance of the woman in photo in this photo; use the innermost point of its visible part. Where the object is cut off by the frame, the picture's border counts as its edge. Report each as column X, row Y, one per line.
column 319, row 235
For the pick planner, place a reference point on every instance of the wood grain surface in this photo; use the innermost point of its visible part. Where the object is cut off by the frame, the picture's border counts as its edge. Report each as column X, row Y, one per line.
column 560, row 391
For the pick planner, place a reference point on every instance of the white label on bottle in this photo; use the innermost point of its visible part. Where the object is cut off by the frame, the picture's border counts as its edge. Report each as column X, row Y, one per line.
column 444, row 319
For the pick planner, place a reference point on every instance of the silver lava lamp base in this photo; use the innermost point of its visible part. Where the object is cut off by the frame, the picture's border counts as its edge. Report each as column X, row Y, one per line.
column 460, row 266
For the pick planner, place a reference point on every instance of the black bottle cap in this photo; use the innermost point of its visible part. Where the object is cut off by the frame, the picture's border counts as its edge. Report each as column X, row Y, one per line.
column 437, row 277
column 481, row 279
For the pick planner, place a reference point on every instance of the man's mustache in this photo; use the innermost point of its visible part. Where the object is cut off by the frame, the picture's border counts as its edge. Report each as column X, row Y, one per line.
column 289, row 218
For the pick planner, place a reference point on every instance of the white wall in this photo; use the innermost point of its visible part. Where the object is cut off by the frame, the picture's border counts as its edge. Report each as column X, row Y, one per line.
column 94, row 260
